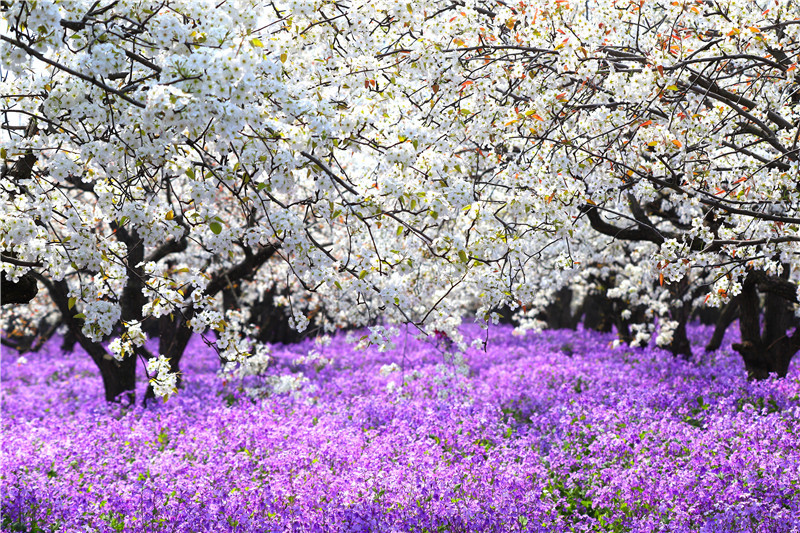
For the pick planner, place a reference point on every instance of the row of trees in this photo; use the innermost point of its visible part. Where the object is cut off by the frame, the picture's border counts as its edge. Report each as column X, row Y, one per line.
column 185, row 166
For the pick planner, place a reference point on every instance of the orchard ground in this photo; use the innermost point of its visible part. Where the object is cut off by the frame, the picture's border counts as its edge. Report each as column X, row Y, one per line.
column 558, row 431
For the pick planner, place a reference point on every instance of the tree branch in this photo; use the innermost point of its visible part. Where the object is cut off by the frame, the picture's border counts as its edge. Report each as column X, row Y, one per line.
column 19, row 262
column 68, row 70
column 329, row 172
column 641, row 233
column 249, row 265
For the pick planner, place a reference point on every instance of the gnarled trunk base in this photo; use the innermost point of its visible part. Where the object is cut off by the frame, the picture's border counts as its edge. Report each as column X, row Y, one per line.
column 760, row 361
column 767, row 350
column 119, row 378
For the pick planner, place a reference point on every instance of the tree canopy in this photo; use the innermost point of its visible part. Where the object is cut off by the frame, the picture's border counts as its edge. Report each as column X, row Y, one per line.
column 408, row 161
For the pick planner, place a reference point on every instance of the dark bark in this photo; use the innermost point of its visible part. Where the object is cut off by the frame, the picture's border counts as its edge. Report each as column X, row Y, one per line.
column 729, row 313
column 680, row 311
column 133, row 299
column 769, row 349
column 708, row 316
column 778, row 285
column 68, row 341
column 623, row 325
column 173, row 337
column 624, row 330
column 558, row 314
column 245, row 269
column 230, row 297
column 119, row 377
column 680, row 345
column 598, row 310
column 640, row 230
column 273, row 321
column 17, row 292
column 602, row 313
column 174, row 332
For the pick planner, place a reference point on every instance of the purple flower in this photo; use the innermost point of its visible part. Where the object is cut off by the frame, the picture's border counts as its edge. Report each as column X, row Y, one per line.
column 520, row 437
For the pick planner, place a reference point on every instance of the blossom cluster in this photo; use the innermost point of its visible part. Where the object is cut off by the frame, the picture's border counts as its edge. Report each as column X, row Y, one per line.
column 555, row 431
column 413, row 160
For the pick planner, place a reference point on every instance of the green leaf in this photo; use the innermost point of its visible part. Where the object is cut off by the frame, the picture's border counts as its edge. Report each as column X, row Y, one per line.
column 71, row 302
column 283, row 57
column 79, row 316
column 216, row 227
column 363, row 274
column 255, row 41
column 463, row 256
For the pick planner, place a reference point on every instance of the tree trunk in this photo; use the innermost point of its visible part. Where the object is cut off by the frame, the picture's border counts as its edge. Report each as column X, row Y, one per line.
column 680, row 345
column 680, row 311
column 119, row 378
column 174, row 332
column 727, row 315
column 599, row 311
column 558, row 313
column 273, row 321
column 708, row 316
column 173, row 337
column 769, row 351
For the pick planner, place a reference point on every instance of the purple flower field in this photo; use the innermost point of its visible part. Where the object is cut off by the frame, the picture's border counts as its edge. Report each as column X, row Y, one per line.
column 552, row 432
